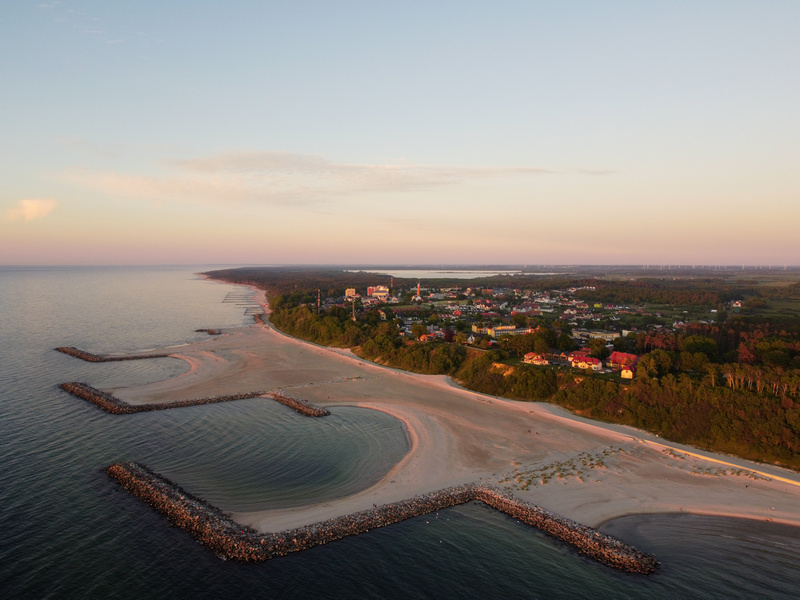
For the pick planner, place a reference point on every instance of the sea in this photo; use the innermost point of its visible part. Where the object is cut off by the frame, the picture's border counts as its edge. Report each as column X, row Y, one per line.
column 68, row 531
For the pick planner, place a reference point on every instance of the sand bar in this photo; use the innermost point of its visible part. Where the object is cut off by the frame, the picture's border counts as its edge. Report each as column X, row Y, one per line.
column 583, row 470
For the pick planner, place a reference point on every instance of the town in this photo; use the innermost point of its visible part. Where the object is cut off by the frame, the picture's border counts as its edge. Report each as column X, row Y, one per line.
column 593, row 337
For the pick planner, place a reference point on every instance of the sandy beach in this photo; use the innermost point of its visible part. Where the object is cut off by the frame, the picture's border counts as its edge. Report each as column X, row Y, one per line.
column 583, row 470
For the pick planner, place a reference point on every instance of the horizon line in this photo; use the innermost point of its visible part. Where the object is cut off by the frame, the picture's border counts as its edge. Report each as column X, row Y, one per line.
column 430, row 266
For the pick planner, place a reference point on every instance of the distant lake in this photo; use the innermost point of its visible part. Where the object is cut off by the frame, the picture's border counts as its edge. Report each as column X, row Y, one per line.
column 444, row 273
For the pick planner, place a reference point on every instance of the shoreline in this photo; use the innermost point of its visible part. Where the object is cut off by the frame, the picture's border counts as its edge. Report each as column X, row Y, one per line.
column 458, row 436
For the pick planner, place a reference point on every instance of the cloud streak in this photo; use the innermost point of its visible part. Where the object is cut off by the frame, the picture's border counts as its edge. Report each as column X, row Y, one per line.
column 283, row 178
column 355, row 177
column 29, row 209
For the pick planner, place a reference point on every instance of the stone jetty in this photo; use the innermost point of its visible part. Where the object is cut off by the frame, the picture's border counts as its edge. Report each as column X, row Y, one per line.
column 205, row 522
column 114, row 405
column 586, row 540
column 208, row 331
column 301, row 406
column 89, row 357
column 232, row 541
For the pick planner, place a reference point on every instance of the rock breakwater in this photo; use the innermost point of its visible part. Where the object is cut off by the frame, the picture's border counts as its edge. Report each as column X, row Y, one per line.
column 301, row 406
column 230, row 540
column 89, row 357
column 205, row 522
column 586, row 540
column 114, row 405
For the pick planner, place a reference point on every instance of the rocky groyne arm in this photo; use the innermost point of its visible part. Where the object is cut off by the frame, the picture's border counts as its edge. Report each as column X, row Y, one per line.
column 591, row 542
column 301, row 406
column 207, row 523
column 89, row 357
column 114, row 405
column 308, row 536
column 103, row 400
column 225, row 537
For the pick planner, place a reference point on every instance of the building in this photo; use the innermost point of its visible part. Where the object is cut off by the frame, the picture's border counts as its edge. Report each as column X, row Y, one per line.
column 577, row 354
column 527, row 308
column 498, row 330
column 618, row 360
column 594, row 334
column 533, row 358
column 381, row 292
column 580, row 359
column 587, row 362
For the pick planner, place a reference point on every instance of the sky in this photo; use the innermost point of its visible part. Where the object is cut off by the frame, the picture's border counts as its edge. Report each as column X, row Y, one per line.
column 372, row 132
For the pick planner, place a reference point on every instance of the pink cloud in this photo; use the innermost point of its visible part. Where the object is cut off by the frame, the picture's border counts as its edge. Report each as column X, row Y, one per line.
column 29, row 209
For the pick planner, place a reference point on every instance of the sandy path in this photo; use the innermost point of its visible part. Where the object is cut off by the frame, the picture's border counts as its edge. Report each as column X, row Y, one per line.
column 580, row 469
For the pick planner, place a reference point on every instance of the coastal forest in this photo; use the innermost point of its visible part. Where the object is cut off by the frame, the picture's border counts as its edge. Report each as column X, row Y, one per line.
column 729, row 384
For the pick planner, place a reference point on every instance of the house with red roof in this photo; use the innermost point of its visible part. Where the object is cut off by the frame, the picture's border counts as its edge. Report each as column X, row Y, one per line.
column 576, row 354
column 587, row 362
column 618, row 360
column 534, row 358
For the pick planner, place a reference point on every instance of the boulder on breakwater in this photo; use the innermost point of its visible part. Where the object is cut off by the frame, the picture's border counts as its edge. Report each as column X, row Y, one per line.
column 89, row 357
column 114, row 405
column 225, row 537
column 302, row 406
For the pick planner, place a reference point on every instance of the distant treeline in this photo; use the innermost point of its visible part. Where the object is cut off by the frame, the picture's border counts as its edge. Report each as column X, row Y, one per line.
column 742, row 341
column 667, row 290
column 300, row 284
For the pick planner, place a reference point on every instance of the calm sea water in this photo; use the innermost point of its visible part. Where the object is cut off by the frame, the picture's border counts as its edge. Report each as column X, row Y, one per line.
column 67, row 531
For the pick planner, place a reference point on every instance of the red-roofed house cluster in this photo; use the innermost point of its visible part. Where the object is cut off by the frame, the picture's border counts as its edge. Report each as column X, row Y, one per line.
column 534, row 358
column 624, row 363
column 580, row 359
